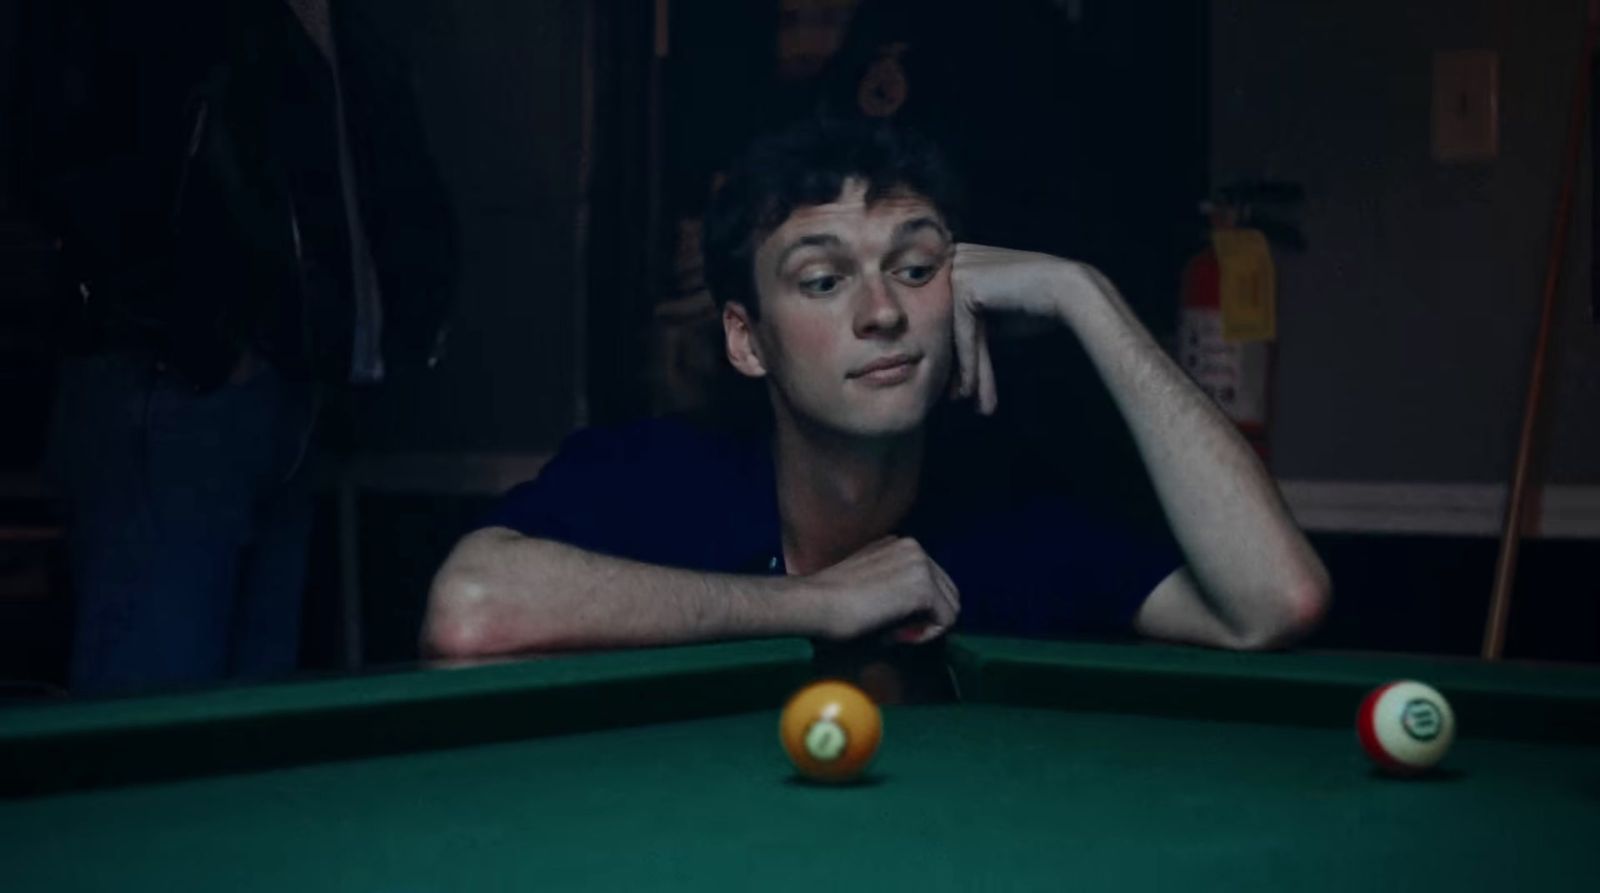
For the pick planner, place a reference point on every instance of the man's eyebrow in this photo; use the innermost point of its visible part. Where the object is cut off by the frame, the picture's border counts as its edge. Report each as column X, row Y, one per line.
column 814, row 240
column 906, row 228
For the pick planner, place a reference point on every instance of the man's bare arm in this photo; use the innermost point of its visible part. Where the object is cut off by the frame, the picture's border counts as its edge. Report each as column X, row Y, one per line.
column 500, row 592
column 1252, row 580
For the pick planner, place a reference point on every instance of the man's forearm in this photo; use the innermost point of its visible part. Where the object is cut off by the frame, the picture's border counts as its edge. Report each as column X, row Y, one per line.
column 1249, row 557
column 502, row 593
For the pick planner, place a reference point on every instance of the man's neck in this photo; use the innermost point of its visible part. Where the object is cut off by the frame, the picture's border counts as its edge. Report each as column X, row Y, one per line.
column 837, row 494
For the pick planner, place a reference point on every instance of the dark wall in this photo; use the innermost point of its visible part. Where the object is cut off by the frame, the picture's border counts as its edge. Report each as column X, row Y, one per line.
column 1082, row 136
column 10, row 24
column 1408, row 327
column 499, row 87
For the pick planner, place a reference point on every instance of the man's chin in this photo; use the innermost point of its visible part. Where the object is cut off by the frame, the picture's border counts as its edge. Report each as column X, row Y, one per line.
column 887, row 424
column 880, row 419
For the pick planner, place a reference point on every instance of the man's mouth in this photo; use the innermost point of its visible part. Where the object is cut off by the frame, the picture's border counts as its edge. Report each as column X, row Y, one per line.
column 888, row 370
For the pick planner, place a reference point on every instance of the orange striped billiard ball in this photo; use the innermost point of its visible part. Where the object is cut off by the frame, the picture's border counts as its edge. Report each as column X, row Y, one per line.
column 830, row 731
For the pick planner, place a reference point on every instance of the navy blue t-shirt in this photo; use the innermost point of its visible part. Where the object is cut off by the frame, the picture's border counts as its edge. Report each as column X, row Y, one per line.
column 683, row 494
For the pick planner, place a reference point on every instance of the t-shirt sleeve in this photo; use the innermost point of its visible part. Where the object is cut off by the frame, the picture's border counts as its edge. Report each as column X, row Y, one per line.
column 581, row 497
column 1047, row 567
column 662, row 491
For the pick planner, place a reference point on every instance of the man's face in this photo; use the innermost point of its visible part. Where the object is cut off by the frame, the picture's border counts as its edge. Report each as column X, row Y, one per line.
column 855, row 307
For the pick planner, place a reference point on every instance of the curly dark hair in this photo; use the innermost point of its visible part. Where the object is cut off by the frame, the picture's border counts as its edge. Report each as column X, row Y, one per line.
column 807, row 164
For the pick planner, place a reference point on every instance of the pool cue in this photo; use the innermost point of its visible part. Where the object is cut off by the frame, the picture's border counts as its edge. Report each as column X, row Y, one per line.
column 1494, row 633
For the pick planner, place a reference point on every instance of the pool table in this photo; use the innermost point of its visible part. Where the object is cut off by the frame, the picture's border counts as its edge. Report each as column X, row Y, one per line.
column 1062, row 766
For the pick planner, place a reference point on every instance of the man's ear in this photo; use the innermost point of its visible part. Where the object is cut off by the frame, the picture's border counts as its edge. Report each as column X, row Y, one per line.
column 744, row 352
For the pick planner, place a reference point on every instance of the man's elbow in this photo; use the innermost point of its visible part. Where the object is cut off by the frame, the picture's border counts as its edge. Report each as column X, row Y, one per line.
column 462, row 618
column 457, row 623
column 1297, row 612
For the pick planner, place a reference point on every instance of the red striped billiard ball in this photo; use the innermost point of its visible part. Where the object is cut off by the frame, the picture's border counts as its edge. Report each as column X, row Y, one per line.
column 1405, row 727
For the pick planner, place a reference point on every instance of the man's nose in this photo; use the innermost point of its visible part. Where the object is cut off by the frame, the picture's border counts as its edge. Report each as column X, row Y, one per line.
column 879, row 312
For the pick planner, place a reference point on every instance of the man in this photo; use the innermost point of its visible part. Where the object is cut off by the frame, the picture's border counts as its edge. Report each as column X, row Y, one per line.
column 830, row 250
column 228, row 220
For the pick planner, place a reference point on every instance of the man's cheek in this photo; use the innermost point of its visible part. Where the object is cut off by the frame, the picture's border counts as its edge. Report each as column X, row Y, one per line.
column 807, row 356
column 939, row 323
column 940, row 303
column 809, row 340
column 942, row 372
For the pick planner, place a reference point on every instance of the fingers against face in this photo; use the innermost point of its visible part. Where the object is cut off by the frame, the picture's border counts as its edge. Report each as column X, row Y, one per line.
column 950, row 598
column 988, row 395
column 974, row 368
column 965, row 334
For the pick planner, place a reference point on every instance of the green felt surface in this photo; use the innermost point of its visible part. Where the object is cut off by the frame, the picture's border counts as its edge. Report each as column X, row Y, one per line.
column 404, row 686
column 1070, row 766
column 68, row 745
column 1566, row 680
column 962, row 797
column 1533, row 702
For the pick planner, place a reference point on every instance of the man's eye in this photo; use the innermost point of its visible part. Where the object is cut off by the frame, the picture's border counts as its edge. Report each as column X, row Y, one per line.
column 821, row 285
column 918, row 274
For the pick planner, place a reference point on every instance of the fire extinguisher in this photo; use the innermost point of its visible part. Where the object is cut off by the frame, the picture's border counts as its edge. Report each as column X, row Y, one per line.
column 1227, row 321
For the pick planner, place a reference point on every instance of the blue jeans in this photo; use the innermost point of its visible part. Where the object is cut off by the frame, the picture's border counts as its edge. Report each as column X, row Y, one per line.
column 189, row 520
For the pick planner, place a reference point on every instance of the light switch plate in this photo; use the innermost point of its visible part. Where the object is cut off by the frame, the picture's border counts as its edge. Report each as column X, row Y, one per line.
column 1466, row 105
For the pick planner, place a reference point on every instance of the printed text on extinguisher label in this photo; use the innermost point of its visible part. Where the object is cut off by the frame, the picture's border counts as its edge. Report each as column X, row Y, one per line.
column 1233, row 374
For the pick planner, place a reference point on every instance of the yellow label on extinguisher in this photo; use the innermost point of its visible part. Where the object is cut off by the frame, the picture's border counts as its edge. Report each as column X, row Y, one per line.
column 1248, row 285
